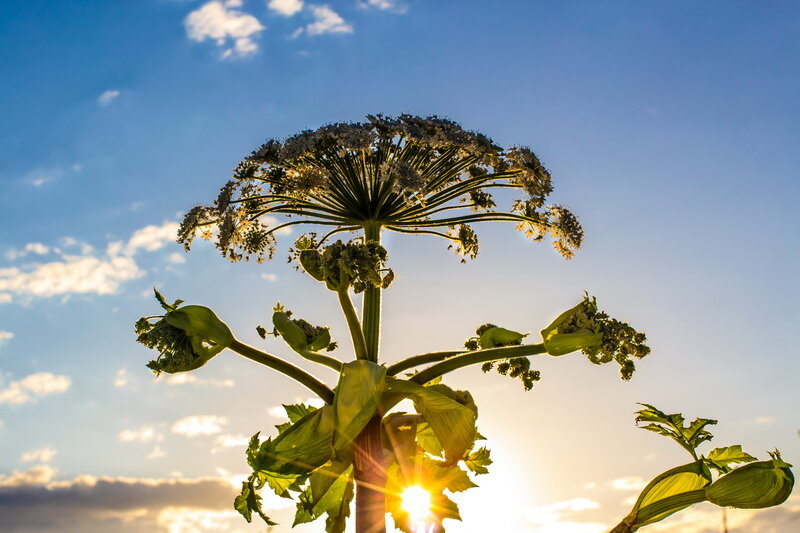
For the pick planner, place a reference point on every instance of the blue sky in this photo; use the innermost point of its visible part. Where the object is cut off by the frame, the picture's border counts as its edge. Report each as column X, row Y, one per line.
column 672, row 129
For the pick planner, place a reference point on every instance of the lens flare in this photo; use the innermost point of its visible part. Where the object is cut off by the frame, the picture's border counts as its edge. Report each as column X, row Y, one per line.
column 417, row 503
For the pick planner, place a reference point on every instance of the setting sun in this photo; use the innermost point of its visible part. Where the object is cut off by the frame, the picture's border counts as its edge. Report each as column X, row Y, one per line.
column 417, row 503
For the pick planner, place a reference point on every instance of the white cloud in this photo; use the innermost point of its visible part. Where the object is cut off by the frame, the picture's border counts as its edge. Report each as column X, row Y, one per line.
column 176, row 258
column 551, row 514
column 629, row 483
column 72, row 275
column 229, row 441
column 269, row 276
column 107, row 97
column 192, row 426
column 34, row 386
column 188, row 379
column 227, row 27
column 42, row 455
column 5, row 336
column 156, row 453
column 286, row 8
column 88, row 273
column 386, row 5
column 326, row 20
column 121, row 380
column 191, row 519
column 142, row 434
column 36, row 475
column 151, row 238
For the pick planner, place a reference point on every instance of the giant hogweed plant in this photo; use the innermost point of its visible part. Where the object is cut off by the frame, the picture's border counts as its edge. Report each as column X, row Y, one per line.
column 409, row 175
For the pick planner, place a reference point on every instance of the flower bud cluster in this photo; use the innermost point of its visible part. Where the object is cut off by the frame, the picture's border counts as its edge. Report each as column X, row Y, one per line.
column 620, row 341
column 344, row 265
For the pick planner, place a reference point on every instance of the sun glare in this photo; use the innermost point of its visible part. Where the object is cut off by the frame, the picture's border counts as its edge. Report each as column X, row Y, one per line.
column 417, row 503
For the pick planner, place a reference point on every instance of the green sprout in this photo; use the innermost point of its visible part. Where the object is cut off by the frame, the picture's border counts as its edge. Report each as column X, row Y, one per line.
column 414, row 176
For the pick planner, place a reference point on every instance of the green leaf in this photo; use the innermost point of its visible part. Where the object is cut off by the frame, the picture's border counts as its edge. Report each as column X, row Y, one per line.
column 451, row 422
column 670, row 484
column 356, row 401
column 249, row 501
column 427, row 440
column 721, row 458
column 478, row 461
column 297, row 411
column 672, row 426
column 301, row 448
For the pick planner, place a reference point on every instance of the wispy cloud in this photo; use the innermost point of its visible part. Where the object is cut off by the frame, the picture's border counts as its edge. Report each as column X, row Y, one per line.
column 629, row 483
column 386, row 5
column 286, row 8
column 42, row 455
column 231, row 29
column 156, row 453
column 199, row 425
column 142, row 434
column 88, row 273
column 5, row 336
column 326, row 21
column 269, row 276
column 29, row 388
column 548, row 517
column 107, row 97
column 40, row 176
column 188, row 379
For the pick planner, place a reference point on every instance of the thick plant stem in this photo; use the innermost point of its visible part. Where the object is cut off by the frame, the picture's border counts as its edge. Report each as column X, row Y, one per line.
column 371, row 320
column 369, row 472
column 370, row 477
column 288, row 369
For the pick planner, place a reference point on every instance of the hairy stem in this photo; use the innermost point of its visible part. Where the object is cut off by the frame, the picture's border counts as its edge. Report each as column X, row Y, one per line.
column 370, row 475
column 472, row 358
column 288, row 369
column 356, row 333
column 422, row 359
column 372, row 304
column 322, row 359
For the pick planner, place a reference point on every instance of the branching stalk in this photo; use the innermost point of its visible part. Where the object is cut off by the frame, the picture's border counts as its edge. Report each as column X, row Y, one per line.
column 288, row 369
column 422, row 359
column 476, row 357
column 356, row 333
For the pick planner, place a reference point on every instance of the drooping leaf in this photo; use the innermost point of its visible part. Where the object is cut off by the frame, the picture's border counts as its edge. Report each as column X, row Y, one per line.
column 496, row 337
column 451, row 422
column 248, row 501
column 301, row 448
column 721, row 458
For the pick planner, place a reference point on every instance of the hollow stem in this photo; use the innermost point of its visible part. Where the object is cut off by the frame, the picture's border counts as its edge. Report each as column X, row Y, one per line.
column 288, row 369
column 476, row 357
column 371, row 320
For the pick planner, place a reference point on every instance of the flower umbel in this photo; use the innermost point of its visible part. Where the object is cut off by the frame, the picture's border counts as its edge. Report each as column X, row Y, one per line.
column 407, row 174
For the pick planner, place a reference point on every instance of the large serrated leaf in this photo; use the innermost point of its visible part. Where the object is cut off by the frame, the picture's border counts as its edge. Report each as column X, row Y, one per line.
column 451, row 422
column 722, row 458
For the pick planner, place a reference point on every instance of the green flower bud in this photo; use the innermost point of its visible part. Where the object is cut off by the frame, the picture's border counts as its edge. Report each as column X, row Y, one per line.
column 560, row 339
column 300, row 335
column 201, row 322
column 754, row 486
column 186, row 338
column 496, row 337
